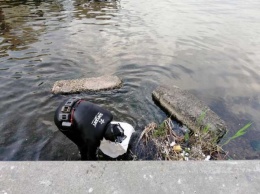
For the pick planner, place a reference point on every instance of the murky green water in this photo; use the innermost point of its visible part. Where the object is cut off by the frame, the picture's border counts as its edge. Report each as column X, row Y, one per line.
column 211, row 48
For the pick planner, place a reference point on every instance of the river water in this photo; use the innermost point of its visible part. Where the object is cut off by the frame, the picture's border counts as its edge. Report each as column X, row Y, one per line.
column 210, row 48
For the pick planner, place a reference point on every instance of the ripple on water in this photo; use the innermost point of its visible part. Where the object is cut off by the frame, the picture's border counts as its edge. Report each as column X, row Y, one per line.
column 210, row 48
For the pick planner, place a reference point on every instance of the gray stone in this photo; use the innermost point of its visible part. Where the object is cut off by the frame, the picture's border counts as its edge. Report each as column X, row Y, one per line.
column 130, row 177
column 86, row 84
column 188, row 109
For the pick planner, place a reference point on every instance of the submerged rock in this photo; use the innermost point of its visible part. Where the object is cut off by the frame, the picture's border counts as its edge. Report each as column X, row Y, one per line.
column 86, row 84
column 189, row 110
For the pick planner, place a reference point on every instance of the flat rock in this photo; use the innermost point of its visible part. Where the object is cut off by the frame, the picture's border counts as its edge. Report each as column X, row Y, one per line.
column 86, row 84
column 188, row 109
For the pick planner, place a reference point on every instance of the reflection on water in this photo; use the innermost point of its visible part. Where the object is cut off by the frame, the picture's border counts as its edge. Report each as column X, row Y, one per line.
column 102, row 10
column 3, row 26
column 25, row 21
column 210, row 48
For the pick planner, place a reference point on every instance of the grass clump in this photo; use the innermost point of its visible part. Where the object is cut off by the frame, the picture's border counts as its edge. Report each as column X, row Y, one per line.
column 159, row 131
column 199, row 145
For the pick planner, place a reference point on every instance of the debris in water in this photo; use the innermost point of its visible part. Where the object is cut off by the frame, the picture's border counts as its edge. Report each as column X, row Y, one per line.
column 177, row 148
column 167, row 145
column 207, row 158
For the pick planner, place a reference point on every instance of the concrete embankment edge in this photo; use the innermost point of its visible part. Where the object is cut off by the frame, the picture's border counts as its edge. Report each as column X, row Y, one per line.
column 130, row 177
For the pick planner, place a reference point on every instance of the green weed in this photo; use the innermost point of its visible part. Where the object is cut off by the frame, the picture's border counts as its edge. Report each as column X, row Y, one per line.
column 160, row 131
column 239, row 133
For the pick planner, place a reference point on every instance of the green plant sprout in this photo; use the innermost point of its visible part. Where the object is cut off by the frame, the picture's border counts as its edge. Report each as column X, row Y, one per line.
column 239, row 133
column 202, row 116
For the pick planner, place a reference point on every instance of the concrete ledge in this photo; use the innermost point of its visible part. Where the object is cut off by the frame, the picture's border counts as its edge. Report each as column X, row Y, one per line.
column 86, row 84
column 130, row 177
column 188, row 109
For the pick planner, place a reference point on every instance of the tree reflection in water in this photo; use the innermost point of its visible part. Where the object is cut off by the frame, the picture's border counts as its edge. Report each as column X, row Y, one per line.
column 22, row 22
column 3, row 25
column 100, row 10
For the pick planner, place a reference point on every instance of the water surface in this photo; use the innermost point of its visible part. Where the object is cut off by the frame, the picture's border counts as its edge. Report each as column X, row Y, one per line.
column 210, row 48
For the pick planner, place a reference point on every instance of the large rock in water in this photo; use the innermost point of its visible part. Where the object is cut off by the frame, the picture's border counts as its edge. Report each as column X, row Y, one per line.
column 86, row 84
column 188, row 109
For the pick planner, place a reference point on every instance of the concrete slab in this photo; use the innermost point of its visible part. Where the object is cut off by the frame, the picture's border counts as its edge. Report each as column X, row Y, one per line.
column 130, row 177
column 86, row 84
column 188, row 109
